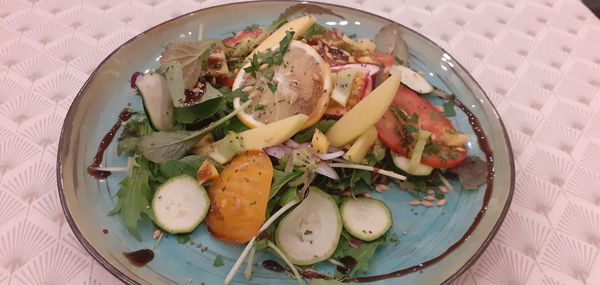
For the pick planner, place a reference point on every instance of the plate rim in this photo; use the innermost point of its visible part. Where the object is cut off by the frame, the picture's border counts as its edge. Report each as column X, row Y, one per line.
column 66, row 134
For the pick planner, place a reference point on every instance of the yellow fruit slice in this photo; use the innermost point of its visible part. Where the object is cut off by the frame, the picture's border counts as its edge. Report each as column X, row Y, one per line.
column 303, row 87
column 298, row 26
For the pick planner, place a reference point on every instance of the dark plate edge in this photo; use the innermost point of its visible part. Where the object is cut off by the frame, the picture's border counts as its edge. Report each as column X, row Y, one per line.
column 66, row 131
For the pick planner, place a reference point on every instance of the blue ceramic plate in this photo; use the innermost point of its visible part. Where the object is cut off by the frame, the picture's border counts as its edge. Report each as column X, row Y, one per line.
column 436, row 244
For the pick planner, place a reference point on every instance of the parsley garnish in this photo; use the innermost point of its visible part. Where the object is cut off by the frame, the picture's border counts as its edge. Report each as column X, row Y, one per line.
column 272, row 86
column 251, row 28
column 218, row 261
column 308, row 232
column 183, row 238
column 259, row 107
column 449, row 109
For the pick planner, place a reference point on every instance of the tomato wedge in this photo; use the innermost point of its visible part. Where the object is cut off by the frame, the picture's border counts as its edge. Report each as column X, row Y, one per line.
column 241, row 37
column 392, row 132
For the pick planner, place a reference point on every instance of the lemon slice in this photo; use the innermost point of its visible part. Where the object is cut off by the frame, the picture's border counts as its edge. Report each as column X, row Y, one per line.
column 303, row 87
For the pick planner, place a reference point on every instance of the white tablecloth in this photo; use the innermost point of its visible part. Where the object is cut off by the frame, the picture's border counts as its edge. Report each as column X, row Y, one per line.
column 539, row 61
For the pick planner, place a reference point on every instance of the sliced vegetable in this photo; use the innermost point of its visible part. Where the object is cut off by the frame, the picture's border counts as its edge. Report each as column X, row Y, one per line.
column 412, row 79
column 319, row 143
column 365, row 218
column 398, row 137
column 239, row 198
column 274, row 133
column 343, row 86
column 310, row 233
column 298, row 26
column 157, row 100
column 417, row 153
column 223, row 150
column 369, row 69
column 404, row 164
column 361, row 146
column 365, row 114
column 180, row 205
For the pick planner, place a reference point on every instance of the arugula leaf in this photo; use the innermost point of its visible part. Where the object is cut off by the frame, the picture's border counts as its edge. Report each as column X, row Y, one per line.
column 289, row 195
column 161, row 147
column 307, row 134
column 218, row 261
column 127, row 145
column 134, row 196
column 188, row 54
column 187, row 165
column 449, row 109
column 280, row 179
column 362, row 254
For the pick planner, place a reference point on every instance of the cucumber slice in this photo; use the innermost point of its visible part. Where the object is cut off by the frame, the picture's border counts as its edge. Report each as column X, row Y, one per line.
column 365, row 218
column 412, row 79
column 180, row 205
column 310, row 233
column 404, row 164
column 157, row 100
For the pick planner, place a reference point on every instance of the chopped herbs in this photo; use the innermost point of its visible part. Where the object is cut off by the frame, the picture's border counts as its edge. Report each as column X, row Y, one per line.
column 251, row 28
column 308, row 232
column 272, row 86
column 183, row 238
column 449, row 109
column 218, row 261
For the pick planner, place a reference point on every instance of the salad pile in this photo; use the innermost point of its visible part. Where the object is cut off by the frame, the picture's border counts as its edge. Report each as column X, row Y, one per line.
column 276, row 136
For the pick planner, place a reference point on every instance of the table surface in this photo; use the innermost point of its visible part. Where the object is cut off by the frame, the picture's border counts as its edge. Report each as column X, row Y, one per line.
column 538, row 61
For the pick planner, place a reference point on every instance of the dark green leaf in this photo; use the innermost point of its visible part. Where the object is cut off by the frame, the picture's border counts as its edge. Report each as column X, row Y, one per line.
column 161, row 147
column 199, row 112
column 362, row 254
column 134, row 196
column 272, row 86
column 289, row 195
column 472, row 172
column 449, row 109
column 233, row 125
column 218, row 261
column 188, row 165
column 308, row 232
column 280, row 179
column 127, row 145
column 268, row 73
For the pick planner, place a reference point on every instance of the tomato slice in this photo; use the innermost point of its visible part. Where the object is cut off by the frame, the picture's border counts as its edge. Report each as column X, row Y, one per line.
column 392, row 132
column 387, row 60
column 241, row 36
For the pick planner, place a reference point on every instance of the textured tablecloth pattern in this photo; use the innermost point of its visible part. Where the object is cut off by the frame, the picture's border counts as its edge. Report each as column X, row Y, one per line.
column 538, row 61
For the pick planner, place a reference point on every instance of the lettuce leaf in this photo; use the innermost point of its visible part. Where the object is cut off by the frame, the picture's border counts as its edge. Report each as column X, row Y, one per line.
column 134, row 196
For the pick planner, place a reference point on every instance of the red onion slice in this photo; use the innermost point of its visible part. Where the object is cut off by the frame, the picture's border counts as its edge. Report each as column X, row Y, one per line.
column 326, row 170
column 279, row 151
column 331, row 155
